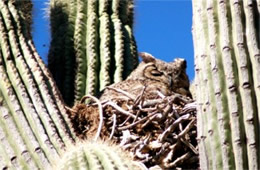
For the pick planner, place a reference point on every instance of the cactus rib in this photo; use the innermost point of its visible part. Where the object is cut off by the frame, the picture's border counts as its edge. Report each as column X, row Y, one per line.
column 80, row 49
column 105, row 39
column 92, row 48
column 118, row 40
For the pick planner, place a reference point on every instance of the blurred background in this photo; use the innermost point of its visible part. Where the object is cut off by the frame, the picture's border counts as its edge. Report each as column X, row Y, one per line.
column 162, row 28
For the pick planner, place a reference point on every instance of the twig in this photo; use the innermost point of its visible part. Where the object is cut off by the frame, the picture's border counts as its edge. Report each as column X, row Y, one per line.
column 160, row 94
column 190, row 107
column 178, row 161
column 139, row 97
column 118, row 108
column 137, row 115
column 137, row 122
column 150, row 120
column 122, row 124
column 152, row 102
column 187, row 128
column 127, row 137
column 173, row 126
column 113, row 127
column 100, row 114
column 190, row 146
column 143, row 145
column 70, row 109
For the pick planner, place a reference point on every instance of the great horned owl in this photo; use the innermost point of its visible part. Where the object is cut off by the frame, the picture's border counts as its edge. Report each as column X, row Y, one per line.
column 153, row 75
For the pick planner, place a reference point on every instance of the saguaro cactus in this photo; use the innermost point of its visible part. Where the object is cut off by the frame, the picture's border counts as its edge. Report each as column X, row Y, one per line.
column 227, row 58
column 92, row 45
column 34, row 129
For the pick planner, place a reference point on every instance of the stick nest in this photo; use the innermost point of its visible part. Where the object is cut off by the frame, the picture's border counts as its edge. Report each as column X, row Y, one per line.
column 160, row 132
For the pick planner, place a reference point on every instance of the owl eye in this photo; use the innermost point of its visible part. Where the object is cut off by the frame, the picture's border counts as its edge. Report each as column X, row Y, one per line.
column 156, row 73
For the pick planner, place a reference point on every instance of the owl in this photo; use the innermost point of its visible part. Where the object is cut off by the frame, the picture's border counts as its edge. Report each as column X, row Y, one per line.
column 153, row 76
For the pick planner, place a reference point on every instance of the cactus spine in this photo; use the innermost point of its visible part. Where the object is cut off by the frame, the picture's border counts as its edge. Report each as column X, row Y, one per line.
column 34, row 128
column 226, row 40
column 101, row 48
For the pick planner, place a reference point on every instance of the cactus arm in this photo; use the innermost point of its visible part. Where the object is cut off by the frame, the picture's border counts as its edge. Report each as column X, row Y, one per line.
column 231, row 83
column 48, row 107
column 92, row 48
column 80, row 49
column 105, row 40
column 14, row 74
column 33, row 126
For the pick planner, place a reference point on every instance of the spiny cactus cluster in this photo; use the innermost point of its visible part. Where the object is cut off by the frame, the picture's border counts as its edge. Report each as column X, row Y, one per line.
column 91, row 155
column 92, row 45
column 226, row 39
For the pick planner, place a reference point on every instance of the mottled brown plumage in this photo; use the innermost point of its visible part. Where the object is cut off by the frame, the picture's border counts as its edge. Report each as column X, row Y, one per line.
column 155, row 76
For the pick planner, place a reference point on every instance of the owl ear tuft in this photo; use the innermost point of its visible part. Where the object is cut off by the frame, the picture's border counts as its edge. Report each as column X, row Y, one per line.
column 180, row 62
column 146, row 57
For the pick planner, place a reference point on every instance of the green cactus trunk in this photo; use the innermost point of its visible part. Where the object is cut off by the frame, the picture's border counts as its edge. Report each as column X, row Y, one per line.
column 227, row 64
column 33, row 124
column 92, row 45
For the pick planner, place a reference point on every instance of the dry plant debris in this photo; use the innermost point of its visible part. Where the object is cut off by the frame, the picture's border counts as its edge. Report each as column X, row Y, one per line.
column 159, row 131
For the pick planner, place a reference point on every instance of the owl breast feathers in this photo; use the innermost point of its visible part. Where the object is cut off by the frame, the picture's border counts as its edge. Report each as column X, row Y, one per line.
column 153, row 76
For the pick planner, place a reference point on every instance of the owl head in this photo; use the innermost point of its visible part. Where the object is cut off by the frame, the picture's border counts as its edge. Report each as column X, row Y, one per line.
column 162, row 71
column 150, row 70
